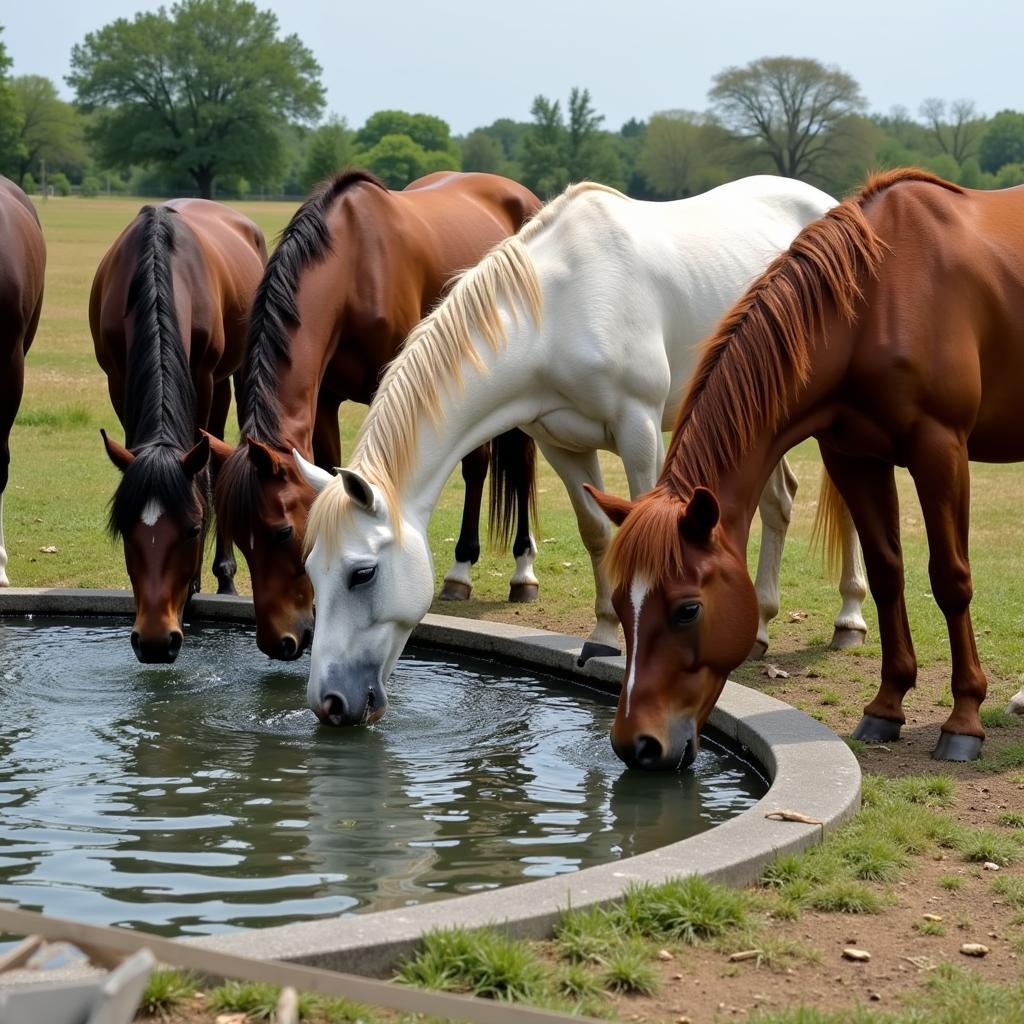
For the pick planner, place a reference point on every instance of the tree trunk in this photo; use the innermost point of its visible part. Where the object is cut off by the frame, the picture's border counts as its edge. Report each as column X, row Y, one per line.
column 204, row 181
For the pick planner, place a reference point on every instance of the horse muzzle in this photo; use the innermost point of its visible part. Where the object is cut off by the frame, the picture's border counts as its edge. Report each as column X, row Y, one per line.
column 157, row 650
column 350, row 697
column 673, row 751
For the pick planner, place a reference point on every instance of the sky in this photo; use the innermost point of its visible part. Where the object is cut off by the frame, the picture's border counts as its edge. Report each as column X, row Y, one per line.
column 472, row 61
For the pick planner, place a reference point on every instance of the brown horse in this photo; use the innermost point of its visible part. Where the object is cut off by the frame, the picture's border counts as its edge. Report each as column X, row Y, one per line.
column 168, row 314
column 356, row 269
column 893, row 332
column 22, row 268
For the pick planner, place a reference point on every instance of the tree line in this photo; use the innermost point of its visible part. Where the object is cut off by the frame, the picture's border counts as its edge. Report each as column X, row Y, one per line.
column 208, row 98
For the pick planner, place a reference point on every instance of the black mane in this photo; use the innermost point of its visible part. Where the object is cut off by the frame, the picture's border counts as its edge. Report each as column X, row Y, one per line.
column 303, row 242
column 160, row 398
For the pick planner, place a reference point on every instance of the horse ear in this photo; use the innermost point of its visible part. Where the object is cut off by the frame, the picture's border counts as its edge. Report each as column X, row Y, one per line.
column 359, row 489
column 118, row 454
column 316, row 477
column 195, row 459
column 701, row 515
column 220, row 451
column 616, row 509
column 264, row 458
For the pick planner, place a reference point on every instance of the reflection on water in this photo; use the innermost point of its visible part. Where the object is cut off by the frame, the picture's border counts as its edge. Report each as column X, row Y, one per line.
column 202, row 796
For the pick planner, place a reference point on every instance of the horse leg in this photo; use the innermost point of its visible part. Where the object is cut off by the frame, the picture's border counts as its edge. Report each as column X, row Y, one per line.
column 524, row 586
column 868, row 486
column 775, row 509
column 10, row 399
column 939, row 467
column 850, row 629
column 224, row 565
column 575, row 470
column 458, row 584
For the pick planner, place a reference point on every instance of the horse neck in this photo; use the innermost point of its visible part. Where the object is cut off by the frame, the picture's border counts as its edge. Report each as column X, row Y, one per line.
column 487, row 404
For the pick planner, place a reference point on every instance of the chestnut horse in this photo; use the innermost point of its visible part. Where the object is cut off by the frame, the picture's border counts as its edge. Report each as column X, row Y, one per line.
column 168, row 312
column 893, row 332
column 22, row 268
column 356, row 268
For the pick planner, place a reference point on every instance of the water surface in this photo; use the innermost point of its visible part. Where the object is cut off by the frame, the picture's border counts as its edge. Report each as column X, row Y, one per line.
column 203, row 796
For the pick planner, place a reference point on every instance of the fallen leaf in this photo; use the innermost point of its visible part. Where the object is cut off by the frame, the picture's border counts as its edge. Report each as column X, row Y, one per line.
column 784, row 815
column 49, row 549
column 774, row 672
column 797, row 616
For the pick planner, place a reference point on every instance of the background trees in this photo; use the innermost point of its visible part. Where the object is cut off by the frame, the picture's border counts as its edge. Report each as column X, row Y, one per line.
column 793, row 109
column 202, row 90
column 50, row 129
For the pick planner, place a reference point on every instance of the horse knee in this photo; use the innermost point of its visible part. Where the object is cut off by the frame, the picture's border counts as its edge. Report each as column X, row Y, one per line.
column 952, row 587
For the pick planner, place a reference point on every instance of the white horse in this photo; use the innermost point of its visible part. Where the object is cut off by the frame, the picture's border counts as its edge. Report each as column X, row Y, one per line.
column 582, row 329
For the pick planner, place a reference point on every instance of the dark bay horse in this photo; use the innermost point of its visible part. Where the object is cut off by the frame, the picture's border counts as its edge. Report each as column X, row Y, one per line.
column 356, row 269
column 168, row 313
column 893, row 332
column 22, row 268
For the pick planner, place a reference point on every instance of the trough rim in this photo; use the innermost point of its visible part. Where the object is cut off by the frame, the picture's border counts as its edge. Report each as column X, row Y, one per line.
column 810, row 768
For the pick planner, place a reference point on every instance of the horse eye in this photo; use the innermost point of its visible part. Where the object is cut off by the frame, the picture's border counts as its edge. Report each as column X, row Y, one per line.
column 685, row 614
column 194, row 531
column 283, row 535
column 361, row 576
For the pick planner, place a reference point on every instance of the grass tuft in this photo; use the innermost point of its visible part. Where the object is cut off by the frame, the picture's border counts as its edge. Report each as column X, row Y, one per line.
column 689, row 910
column 930, row 928
column 628, row 970
column 484, row 963
column 585, row 936
column 62, row 418
column 846, row 898
column 951, row 883
column 167, row 989
column 1007, row 757
column 256, row 999
column 1012, row 819
column 1011, row 888
column 981, row 844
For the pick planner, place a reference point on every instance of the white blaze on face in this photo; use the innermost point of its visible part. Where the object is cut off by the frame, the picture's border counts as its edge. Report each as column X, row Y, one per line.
column 637, row 595
column 152, row 512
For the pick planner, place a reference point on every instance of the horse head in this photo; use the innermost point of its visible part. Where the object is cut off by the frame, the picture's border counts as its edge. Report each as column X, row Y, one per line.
column 159, row 511
column 689, row 613
column 262, row 502
column 373, row 577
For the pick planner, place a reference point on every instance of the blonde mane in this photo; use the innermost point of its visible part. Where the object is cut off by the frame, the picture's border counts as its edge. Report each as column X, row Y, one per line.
column 432, row 359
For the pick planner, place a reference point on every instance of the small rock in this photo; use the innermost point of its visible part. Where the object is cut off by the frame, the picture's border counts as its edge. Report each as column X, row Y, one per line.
column 875, row 997
column 683, row 1020
column 857, row 955
column 974, row 949
column 664, row 954
column 744, row 954
column 49, row 549
column 932, row 917
column 677, row 977
column 774, row 672
column 230, row 1018
column 797, row 616
column 990, row 866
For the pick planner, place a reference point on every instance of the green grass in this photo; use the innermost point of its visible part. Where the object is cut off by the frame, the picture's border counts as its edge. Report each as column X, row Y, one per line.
column 1007, row 757
column 688, row 910
column 256, row 999
column 951, row 883
column 1011, row 819
column 629, row 971
column 980, row 845
column 1011, row 888
column 55, row 419
column 936, row 928
column 166, row 990
column 996, row 718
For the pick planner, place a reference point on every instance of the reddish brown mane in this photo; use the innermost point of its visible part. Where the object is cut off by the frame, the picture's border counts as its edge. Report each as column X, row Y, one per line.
column 747, row 368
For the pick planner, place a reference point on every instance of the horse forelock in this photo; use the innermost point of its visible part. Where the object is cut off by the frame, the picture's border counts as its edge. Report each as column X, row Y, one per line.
column 333, row 510
column 238, row 497
column 649, row 544
column 304, row 242
column 156, row 475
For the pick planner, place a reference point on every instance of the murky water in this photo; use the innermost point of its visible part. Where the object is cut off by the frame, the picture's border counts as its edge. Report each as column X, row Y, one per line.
column 203, row 796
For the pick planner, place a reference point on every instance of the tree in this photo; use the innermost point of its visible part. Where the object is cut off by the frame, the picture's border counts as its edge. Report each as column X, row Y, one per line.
column 544, row 156
column 483, row 152
column 590, row 155
column 50, row 128
column 793, row 108
column 432, row 134
column 959, row 133
column 328, row 151
column 680, row 152
column 202, row 89
column 10, row 114
column 397, row 160
column 1003, row 142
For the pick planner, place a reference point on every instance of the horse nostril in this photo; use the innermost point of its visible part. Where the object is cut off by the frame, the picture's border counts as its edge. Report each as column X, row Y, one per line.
column 648, row 751
column 287, row 647
column 334, row 709
column 174, row 644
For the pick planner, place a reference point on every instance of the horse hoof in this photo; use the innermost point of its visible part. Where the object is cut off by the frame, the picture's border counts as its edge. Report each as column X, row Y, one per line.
column 226, row 587
column 523, row 593
column 455, row 590
column 592, row 650
column 758, row 651
column 844, row 639
column 871, row 729
column 954, row 746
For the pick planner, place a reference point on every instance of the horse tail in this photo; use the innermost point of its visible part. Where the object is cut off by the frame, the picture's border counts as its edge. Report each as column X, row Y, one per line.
column 513, row 491
column 828, row 524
